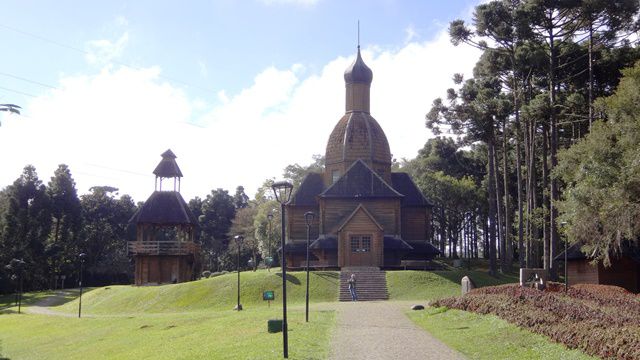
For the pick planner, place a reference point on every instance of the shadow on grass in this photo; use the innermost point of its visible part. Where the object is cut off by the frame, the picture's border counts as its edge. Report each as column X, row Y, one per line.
column 43, row 298
column 332, row 277
column 290, row 278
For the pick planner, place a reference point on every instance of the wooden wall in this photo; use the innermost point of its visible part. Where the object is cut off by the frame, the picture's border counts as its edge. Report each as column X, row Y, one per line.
column 581, row 272
column 415, row 223
column 623, row 272
column 163, row 269
column 296, row 224
column 360, row 224
column 385, row 211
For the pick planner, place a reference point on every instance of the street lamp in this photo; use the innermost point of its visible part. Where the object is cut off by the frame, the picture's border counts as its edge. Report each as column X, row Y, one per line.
column 239, row 239
column 308, row 218
column 81, row 256
column 282, row 191
column 17, row 266
column 269, row 217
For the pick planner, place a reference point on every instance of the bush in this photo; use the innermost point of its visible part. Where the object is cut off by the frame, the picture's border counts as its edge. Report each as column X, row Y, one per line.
column 600, row 320
column 206, row 274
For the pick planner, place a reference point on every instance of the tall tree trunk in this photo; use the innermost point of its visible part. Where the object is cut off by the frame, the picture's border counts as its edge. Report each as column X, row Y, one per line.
column 545, row 200
column 443, row 232
column 491, row 191
column 498, row 199
column 590, row 73
column 518, row 136
column 508, row 250
column 553, row 149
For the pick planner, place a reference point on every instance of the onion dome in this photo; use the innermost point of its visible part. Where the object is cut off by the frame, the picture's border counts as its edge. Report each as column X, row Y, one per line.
column 358, row 72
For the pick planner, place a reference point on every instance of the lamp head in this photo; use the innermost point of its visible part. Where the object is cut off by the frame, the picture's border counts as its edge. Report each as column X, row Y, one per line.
column 282, row 190
column 309, row 216
column 239, row 238
column 81, row 256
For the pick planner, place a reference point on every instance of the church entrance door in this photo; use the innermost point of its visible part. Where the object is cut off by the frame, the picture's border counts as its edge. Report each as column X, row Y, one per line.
column 360, row 250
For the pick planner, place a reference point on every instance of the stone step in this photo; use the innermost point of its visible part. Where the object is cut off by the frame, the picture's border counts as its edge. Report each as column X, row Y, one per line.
column 371, row 284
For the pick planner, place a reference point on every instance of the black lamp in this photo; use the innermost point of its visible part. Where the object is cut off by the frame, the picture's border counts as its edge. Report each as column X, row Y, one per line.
column 282, row 191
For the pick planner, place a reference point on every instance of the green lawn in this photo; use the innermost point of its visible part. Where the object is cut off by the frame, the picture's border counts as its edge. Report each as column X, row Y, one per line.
column 489, row 337
column 192, row 320
column 427, row 285
column 195, row 320
column 200, row 335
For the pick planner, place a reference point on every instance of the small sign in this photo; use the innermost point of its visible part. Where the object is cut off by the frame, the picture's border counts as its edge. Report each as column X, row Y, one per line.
column 268, row 295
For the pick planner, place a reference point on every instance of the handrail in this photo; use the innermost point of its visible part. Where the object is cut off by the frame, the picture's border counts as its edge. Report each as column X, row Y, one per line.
column 162, row 248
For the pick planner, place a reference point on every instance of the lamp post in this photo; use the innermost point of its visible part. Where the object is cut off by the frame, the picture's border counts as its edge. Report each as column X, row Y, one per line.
column 282, row 191
column 17, row 266
column 81, row 256
column 269, row 217
column 308, row 218
column 239, row 239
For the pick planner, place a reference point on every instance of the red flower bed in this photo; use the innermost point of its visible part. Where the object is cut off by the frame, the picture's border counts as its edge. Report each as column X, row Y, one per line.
column 600, row 320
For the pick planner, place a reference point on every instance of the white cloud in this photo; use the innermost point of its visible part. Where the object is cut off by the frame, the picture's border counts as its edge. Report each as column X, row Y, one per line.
column 410, row 34
column 100, row 52
column 111, row 127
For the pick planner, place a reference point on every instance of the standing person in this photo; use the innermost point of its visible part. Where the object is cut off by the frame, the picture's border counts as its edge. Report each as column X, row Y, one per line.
column 352, row 287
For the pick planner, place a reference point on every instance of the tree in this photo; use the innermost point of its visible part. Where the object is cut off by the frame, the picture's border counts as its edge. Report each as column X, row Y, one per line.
column 66, row 212
column 243, row 224
column 105, row 232
column 295, row 173
column 27, row 224
column 218, row 210
column 240, row 199
column 10, row 108
column 474, row 111
column 601, row 202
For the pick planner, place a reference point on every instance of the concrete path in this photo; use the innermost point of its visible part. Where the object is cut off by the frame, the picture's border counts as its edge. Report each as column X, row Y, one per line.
column 43, row 306
column 379, row 330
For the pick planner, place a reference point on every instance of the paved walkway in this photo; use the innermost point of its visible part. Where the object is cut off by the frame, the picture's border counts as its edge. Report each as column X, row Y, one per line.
column 379, row 330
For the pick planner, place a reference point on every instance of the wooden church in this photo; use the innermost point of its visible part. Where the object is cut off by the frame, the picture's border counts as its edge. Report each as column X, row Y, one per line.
column 164, row 250
column 365, row 214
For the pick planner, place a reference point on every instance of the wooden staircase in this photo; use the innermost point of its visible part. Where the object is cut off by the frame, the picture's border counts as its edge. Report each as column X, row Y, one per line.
column 371, row 284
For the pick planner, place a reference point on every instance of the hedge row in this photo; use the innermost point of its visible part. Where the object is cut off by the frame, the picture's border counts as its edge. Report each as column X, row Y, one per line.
column 600, row 320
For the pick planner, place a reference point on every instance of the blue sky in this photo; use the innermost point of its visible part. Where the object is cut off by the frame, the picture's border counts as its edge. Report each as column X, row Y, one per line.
column 108, row 86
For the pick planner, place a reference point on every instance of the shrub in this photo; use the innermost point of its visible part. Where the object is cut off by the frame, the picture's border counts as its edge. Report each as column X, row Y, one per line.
column 206, row 274
column 600, row 320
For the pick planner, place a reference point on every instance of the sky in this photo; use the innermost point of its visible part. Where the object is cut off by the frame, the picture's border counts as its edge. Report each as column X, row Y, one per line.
column 237, row 89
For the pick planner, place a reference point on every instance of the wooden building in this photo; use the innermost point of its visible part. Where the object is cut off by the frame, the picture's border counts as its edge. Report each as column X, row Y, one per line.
column 365, row 214
column 164, row 250
column 624, row 270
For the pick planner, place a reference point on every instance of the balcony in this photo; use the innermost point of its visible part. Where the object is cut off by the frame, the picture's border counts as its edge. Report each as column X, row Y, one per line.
column 162, row 248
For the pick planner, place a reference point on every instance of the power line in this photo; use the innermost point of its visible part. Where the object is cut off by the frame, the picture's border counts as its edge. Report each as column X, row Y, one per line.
column 17, row 91
column 68, row 47
column 29, row 81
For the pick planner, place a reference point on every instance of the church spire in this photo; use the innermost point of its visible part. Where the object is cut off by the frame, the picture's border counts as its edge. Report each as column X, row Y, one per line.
column 358, row 78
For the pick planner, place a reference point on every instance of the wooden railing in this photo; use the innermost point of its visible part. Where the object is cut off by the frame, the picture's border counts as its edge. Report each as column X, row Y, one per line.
column 162, row 248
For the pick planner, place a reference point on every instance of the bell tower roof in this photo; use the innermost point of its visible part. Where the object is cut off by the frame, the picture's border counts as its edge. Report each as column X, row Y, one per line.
column 358, row 72
column 168, row 168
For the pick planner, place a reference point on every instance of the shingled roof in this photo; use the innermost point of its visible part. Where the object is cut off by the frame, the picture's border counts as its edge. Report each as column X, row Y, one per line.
column 167, row 168
column 359, row 181
column 164, row 208
column 309, row 188
column 575, row 252
column 412, row 195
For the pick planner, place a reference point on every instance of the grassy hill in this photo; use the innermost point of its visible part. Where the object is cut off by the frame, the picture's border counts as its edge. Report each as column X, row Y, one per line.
column 195, row 320
column 218, row 293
